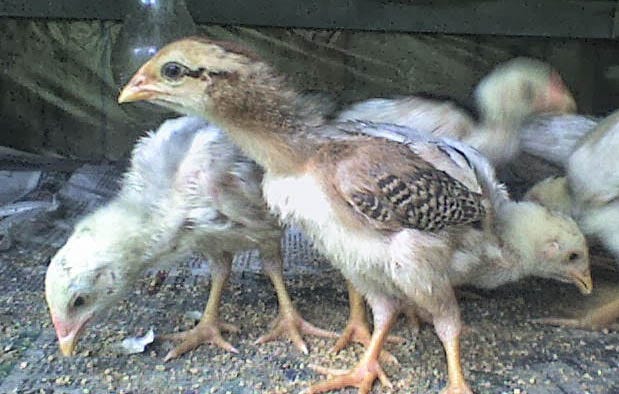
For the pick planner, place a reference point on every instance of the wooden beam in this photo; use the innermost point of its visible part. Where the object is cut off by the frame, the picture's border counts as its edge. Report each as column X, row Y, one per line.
column 551, row 18
column 615, row 32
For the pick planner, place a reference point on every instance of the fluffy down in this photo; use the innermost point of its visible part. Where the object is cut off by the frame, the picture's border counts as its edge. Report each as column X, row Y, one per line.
column 590, row 192
column 553, row 137
column 511, row 93
column 312, row 175
column 188, row 190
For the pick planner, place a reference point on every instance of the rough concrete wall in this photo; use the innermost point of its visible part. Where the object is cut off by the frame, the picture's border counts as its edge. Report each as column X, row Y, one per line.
column 58, row 94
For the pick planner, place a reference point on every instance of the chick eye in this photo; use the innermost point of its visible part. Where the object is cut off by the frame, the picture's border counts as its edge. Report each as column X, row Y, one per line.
column 79, row 301
column 528, row 91
column 173, row 71
column 573, row 256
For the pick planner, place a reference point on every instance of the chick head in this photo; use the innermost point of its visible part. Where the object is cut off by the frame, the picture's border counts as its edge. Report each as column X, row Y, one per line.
column 184, row 74
column 521, row 87
column 550, row 243
column 90, row 272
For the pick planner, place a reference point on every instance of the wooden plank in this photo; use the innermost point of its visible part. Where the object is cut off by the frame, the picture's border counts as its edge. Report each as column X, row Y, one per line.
column 615, row 32
column 584, row 18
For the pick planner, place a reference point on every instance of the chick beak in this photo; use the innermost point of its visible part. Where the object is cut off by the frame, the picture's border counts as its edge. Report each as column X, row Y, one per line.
column 559, row 97
column 67, row 346
column 582, row 280
column 141, row 87
column 68, row 335
column 568, row 104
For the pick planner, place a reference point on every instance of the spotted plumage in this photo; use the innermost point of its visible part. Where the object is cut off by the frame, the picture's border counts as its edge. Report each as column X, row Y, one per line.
column 427, row 200
column 401, row 190
column 316, row 173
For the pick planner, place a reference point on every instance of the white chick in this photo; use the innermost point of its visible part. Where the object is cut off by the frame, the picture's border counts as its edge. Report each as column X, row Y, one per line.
column 188, row 190
column 512, row 92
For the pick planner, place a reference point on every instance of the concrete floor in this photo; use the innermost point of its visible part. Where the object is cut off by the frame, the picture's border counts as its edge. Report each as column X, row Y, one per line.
column 502, row 353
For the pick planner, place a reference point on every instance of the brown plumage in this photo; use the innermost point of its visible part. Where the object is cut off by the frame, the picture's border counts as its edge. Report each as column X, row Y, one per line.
column 313, row 170
column 396, row 190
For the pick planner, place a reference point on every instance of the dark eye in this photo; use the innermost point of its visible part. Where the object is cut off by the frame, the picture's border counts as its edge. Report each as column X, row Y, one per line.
column 173, row 71
column 79, row 301
column 573, row 256
column 528, row 91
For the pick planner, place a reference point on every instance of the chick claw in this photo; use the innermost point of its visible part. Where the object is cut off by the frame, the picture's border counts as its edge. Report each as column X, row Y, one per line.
column 358, row 331
column 559, row 321
column 362, row 377
column 292, row 325
column 208, row 332
column 460, row 389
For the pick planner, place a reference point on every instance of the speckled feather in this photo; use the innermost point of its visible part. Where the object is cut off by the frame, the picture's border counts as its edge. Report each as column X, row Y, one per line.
column 397, row 188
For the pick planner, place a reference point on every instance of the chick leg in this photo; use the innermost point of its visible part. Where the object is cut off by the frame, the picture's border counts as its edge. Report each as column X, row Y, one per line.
column 208, row 330
column 457, row 382
column 288, row 322
column 448, row 328
column 436, row 298
column 368, row 369
column 357, row 329
column 599, row 317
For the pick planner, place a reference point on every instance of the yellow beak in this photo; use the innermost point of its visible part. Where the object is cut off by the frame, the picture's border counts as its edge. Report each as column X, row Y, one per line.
column 583, row 281
column 140, row 88
column 67, row 346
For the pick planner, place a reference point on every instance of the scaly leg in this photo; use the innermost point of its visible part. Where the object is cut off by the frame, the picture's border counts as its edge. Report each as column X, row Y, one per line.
column 437, row 299
column 457, row 382
column 599, row 317
column 208, row 329
column 368, row 369
column 357, row 328
column 448, row 328
column 288, row 322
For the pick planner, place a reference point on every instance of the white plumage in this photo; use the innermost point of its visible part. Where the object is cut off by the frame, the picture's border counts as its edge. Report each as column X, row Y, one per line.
column 507, row 96
column 188, row 190
column 590, row 193
column 389, row 218
column 590, row 190
column 553, row 137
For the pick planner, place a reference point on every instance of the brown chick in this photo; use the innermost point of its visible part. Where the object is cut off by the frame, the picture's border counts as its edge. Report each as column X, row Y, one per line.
column 389, row 215
column 507, row 96
column 188, row 189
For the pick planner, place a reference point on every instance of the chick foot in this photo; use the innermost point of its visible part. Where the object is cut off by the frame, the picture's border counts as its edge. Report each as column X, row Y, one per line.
column 461, row 389
column 290, row 324
column 368, row 369
column 603, row 316
column 362, row 377
column 205, row 331
column 358, row 330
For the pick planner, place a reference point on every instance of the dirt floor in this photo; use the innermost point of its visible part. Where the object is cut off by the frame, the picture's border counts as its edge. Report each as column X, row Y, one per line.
column 503, row 352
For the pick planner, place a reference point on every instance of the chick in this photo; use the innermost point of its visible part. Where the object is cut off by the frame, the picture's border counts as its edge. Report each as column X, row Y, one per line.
column 188, row 189
column 553, row 137
column 390, row 215
column 535, row 240
column 553, row 193
column 511, row 93
column 590, row 192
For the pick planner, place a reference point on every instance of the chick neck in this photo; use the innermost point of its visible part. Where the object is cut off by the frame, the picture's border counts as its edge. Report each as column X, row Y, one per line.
column 514, row 222
column 266, row 118
column 139, row 238
column 500, row 120
column 489, row 260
